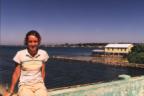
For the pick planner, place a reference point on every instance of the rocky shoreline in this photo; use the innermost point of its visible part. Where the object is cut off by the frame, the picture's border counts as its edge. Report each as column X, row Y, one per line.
column 106, row 61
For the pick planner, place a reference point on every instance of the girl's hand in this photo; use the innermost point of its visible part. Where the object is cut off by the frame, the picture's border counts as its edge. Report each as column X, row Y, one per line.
column 6, row 93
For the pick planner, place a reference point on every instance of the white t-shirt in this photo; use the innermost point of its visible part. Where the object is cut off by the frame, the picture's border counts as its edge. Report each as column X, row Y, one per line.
column 30, row 66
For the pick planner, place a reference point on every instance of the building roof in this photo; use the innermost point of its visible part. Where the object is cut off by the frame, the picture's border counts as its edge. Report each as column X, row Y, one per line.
column 118, row 45
column 98, row 50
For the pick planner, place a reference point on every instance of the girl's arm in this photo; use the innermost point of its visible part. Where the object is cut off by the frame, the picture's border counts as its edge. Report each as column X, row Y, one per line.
column 15, row 77
column 43, row 71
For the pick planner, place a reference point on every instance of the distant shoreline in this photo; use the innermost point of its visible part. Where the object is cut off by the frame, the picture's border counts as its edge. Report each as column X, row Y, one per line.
column 75, row 45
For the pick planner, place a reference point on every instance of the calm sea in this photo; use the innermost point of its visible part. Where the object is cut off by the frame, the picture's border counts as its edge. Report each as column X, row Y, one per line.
column 61, row 73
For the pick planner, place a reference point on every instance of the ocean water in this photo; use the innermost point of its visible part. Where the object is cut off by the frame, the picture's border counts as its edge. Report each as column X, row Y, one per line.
column 62, row 73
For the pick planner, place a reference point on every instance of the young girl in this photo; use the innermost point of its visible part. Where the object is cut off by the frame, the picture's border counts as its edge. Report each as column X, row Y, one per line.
column 30, row 68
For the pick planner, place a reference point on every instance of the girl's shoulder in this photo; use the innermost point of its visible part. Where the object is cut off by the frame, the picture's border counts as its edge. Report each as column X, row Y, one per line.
column 22, row 51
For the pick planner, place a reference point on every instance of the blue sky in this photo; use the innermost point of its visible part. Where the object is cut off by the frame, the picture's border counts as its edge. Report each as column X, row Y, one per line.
column 73, row 21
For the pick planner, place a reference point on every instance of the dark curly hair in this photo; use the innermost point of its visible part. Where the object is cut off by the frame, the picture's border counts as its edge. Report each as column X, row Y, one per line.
column 34, row 33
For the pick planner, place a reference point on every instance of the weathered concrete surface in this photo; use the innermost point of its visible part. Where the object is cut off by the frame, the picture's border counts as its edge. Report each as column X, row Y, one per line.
column 128, row 87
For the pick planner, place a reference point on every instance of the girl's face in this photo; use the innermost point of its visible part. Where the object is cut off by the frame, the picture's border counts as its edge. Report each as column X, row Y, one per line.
column 32, row 43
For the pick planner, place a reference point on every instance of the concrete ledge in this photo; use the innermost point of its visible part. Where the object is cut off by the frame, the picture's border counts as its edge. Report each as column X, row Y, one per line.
column 129, row 87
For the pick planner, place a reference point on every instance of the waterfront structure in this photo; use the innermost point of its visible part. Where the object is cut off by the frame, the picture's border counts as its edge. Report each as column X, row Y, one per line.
column 120, row 49
column 98, row 52
column 113, row 49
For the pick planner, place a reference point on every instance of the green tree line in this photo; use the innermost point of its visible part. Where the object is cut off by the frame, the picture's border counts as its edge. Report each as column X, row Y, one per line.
column 137, row 54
